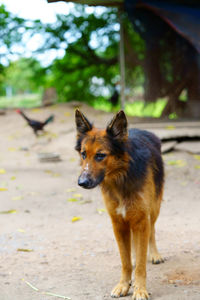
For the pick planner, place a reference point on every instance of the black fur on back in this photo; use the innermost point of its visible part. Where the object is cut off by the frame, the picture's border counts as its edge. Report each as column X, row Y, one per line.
column 145, row 150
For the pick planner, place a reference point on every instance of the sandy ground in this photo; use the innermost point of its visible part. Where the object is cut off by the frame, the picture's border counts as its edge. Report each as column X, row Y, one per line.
column 80, row 259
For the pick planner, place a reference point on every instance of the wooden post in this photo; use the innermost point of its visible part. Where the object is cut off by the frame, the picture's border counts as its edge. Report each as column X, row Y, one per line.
column 122, row 60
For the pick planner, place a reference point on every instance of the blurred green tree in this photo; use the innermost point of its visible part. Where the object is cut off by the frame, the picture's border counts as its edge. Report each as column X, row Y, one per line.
column 90, row 43
column 14, row 34
column 25, row 75
column 10, row 33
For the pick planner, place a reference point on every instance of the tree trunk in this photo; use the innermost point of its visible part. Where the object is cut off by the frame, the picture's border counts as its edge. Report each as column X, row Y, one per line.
column 152, row 74
column 193, row 104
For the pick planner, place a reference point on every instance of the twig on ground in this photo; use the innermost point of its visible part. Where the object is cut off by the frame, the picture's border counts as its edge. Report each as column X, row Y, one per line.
column 45, row 293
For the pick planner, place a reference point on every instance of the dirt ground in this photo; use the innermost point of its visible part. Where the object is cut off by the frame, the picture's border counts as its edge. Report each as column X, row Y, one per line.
column 42, row 251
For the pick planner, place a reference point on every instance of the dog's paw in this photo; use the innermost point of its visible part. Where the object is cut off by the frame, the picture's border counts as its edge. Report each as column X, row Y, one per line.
column 156, row 259
column 120, row 290
column 140, row 294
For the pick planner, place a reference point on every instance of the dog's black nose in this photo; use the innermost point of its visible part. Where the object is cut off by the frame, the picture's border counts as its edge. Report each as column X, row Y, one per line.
column 84, row 181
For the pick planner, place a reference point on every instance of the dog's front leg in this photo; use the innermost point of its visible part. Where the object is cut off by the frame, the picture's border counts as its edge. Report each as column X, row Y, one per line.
column 123, row 237
column 141, row 238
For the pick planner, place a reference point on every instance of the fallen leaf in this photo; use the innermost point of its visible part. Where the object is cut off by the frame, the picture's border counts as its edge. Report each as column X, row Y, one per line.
column 11, row 137
column 71, row 190
column 72, row 159
column 72, row 199
column 12, row 149
column 78, row 195
column 17, row 198
column 178, row 163
column 101, row 210
column 197, row 167
column 24, row 250
column 170, row 127
column 13, row 178
column 11, row 211
column 67, row 114
column 2, row 189
column 2, row 171
column 54, row 106
column 36, row 110
column 74, row 219
column 48, row 134
column 52, row 173
column 184, row 183
column 197, row 157
column 21, row 230
column 48, row 171
column 52, row 135
column 56, row 175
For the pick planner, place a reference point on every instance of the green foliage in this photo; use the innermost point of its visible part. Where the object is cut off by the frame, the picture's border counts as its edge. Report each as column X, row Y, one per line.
column 90, row 45
column 2, row 78
column 88, row 68
column 142, row 109
column 11, row 29
column 136, row 108
column 25, row 75
column 24, row 101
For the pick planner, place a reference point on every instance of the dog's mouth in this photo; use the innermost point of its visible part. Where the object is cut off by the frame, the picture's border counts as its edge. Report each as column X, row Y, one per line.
column 87, row 182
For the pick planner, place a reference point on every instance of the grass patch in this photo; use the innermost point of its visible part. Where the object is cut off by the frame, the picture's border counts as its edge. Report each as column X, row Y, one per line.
column 25, row 101
column 137, row 108
column 141, row 109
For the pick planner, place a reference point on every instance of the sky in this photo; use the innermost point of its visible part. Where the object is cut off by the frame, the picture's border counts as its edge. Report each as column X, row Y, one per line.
column 46, row 13
column 36, row 9
column 32, row 10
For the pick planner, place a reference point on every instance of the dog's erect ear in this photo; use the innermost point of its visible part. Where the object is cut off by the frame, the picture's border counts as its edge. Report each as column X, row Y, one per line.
column 117, row 128
column 82, row 123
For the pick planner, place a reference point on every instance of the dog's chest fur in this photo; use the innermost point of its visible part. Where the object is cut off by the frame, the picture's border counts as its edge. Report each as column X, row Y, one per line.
column 121, row 210
column 115, row 202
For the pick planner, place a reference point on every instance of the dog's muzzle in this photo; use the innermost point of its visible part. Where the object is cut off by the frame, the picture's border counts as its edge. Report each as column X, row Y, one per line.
column 87, row 182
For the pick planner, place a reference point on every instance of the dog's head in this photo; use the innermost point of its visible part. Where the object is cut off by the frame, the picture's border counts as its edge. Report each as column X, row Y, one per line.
column 101, row 151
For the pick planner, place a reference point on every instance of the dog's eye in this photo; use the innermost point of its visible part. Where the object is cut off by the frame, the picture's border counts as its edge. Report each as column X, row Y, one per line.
column 100, row 156
column 83, row 155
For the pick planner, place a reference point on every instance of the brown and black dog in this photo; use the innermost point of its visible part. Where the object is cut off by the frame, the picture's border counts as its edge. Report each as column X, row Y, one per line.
column 129, row 169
